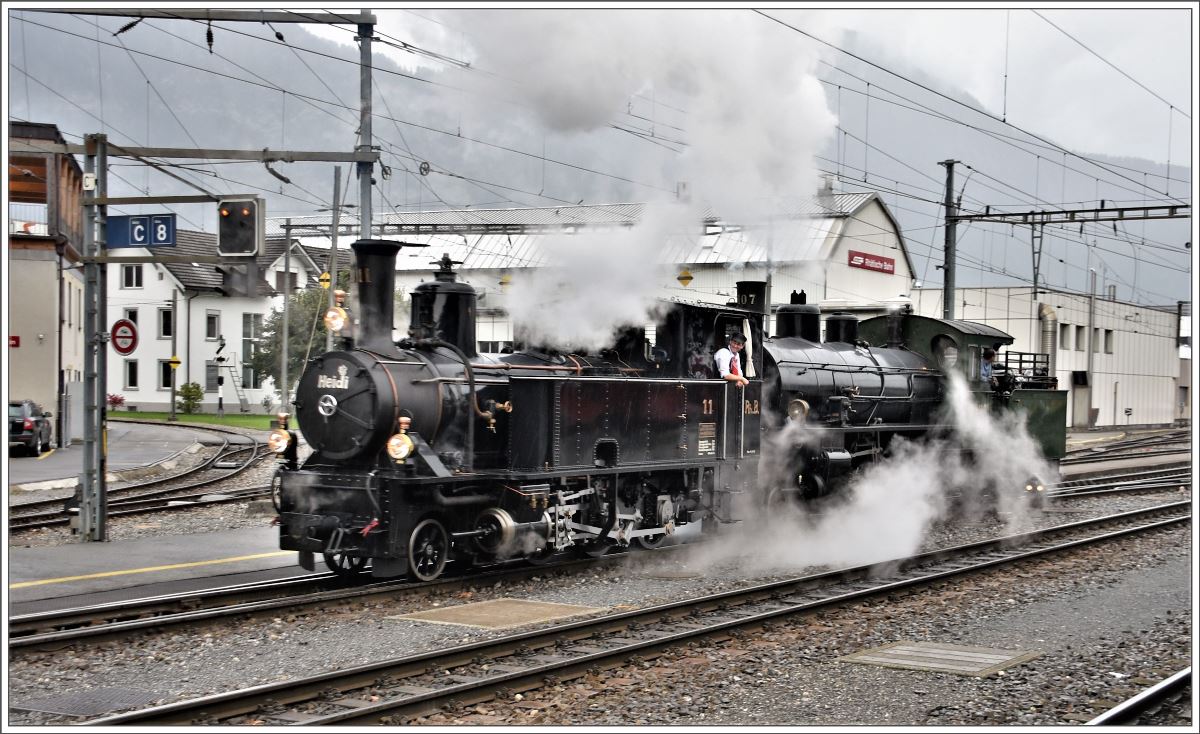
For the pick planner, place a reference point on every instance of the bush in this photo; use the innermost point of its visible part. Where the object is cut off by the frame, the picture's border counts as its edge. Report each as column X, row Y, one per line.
column 188, row 397
column 115, row 401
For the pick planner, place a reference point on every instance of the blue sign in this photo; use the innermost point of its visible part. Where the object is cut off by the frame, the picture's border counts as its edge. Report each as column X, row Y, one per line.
column 143, row 230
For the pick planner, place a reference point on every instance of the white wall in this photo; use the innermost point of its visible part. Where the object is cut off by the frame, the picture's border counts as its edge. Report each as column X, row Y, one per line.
column 192, row 345
column 1140, row 372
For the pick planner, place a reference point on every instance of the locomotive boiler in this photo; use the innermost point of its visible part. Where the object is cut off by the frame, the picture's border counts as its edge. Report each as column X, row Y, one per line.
column 426, row 453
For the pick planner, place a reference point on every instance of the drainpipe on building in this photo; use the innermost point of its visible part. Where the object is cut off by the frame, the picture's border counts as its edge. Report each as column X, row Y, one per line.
column 1049, row 341
column 62, row 385
column 188, row 347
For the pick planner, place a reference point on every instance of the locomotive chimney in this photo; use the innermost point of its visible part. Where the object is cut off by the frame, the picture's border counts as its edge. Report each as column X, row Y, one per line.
column 375, row 262
column 799, row 318
column 445, row 309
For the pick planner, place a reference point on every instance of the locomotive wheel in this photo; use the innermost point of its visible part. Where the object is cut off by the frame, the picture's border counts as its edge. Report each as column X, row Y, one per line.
column 650, row 542
column 428, row 547
column 344, row 565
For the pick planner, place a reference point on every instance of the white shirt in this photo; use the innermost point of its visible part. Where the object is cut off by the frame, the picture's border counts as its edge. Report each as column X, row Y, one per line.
column 723, row 357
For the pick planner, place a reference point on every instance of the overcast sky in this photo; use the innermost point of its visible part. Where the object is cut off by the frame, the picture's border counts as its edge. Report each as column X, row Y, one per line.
column 733, row 102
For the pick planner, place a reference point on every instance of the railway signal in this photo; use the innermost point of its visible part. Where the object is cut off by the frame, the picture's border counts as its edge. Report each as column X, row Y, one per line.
column 239, row 227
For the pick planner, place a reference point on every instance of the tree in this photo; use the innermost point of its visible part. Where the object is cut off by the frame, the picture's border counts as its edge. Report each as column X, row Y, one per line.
column 188, row 397
column 306, row 336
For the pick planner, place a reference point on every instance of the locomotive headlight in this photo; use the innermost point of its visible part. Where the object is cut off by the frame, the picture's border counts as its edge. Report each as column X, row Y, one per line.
column 335, row 319
column 279, row 440
column 400, row 446
column 798, row 409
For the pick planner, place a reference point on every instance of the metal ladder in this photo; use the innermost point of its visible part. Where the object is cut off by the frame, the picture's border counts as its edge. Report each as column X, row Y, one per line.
column 237, row 387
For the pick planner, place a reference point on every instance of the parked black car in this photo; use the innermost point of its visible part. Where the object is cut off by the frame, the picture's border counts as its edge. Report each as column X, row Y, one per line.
column 28, row 426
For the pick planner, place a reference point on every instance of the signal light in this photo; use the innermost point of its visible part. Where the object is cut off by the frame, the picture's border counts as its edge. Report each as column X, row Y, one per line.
column 240, row 227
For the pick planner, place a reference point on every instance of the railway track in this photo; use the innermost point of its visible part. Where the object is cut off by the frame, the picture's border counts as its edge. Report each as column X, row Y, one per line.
column 165, row 493
column 1147, row 702
column 1177, row 477
column 1174, row 442
column 398, row 690
column 106, row 621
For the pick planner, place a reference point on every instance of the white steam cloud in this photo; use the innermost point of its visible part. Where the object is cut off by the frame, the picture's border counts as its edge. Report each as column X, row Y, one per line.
column 745, row 110
column 888, row 509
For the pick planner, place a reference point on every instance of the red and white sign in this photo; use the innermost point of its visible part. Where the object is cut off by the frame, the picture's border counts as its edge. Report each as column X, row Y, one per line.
column 867, row 261
column 14, row 340
column 124, row 336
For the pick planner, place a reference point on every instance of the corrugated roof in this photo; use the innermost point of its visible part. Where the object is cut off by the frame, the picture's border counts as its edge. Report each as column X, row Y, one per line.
column 498, row 239
column 515, row 220
column 206, row 276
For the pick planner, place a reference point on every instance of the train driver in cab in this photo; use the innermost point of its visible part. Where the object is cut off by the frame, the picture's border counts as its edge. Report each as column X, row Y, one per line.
column 728, row 362
column 986, row 373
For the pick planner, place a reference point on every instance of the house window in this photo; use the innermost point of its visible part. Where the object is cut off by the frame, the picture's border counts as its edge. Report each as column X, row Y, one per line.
column 1080, row 338
column 131, row 276
column 211, row 384
column 212, row 325
column 131, row 315
column 1095, row 340
column 494, row 347
column 164, row 374
column 166, row 323
column 1064, row 336
column 1108, row 341
column 70, row 305
column 251, row 328
column 131, row 374
column 285, row 286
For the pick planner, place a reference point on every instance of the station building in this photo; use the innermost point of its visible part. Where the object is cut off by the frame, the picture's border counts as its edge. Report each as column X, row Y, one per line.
column 1136, row 370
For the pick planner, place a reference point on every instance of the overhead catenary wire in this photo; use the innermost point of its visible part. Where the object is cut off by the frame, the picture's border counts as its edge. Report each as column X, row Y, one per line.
column 951, row 99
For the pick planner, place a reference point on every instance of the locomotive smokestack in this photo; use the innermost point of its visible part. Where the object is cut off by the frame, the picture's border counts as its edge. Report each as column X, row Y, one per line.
column 376, row 267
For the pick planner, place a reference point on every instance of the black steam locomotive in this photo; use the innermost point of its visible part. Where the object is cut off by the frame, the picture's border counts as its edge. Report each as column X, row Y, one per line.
column 427, row 453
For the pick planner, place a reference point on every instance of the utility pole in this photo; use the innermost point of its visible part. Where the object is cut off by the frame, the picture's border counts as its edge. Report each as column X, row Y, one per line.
column 331, row 266
column 365, row 168
column 951, row 221
column 287, row 296
column 93, row 489
column 1091, row 345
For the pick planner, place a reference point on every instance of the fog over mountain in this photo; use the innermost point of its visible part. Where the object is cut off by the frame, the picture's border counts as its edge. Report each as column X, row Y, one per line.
column 612, row 114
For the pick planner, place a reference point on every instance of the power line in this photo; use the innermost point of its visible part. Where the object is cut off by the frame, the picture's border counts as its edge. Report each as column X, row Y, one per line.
column 1114, row 66
column 976, row 110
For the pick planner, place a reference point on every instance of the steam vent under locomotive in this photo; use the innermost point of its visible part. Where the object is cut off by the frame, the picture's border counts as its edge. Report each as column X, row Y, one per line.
column 427, row 453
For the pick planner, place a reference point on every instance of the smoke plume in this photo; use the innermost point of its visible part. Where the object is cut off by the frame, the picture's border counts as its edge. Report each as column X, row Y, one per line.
column 706, row 101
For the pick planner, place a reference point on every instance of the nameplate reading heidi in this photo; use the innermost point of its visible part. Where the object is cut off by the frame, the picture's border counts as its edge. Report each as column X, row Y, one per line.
column 341, row 382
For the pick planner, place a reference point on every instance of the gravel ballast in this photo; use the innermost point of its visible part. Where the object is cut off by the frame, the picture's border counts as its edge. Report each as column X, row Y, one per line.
column 1110, row 616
